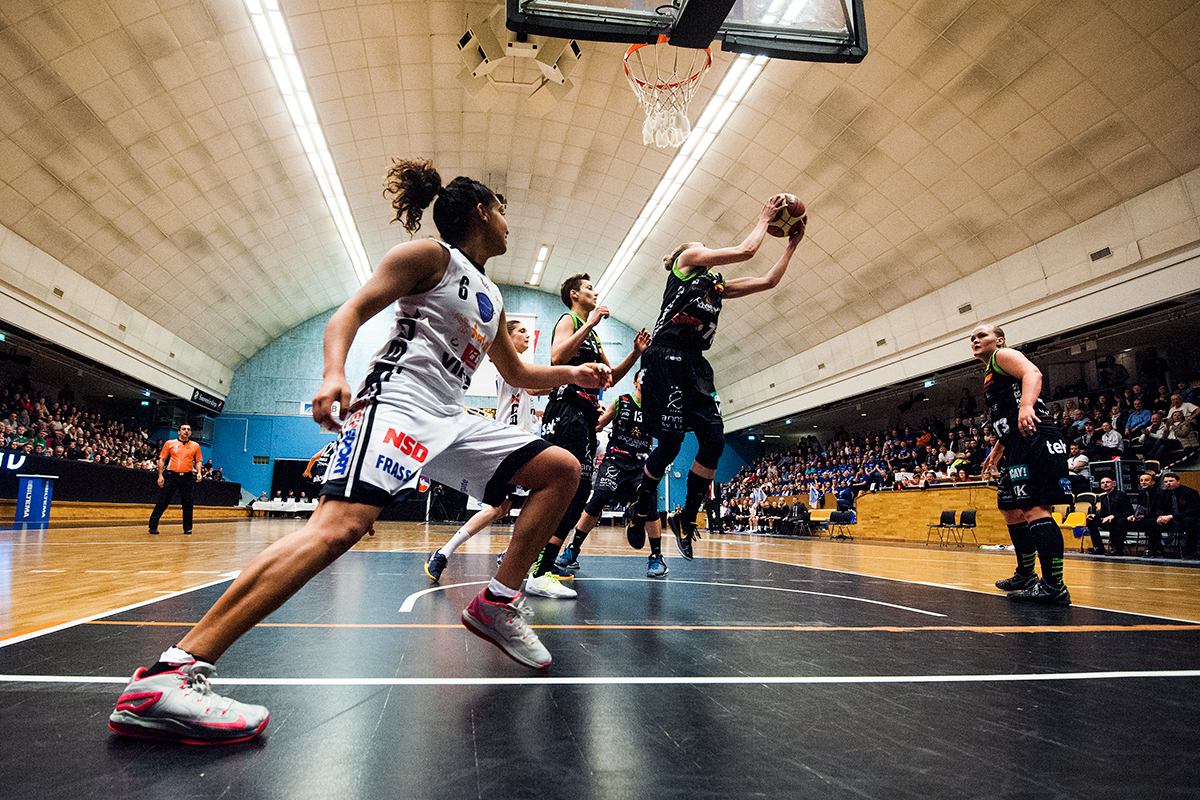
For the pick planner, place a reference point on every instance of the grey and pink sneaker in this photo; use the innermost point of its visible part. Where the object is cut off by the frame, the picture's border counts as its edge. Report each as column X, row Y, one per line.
column 180, row 706
column 504, row 625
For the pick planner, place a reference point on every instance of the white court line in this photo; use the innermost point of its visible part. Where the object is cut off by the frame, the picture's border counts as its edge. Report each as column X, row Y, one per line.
column 55, row 628
column 974, row 591
column 411, row 600
column 646, row 680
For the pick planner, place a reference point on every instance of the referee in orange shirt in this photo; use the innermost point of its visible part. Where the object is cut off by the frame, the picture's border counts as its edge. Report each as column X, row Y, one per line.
column 177, row 463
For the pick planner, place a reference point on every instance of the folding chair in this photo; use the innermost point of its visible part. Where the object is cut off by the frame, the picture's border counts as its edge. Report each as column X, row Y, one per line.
column 838, row 525
column 941, row 526
column 966, row 522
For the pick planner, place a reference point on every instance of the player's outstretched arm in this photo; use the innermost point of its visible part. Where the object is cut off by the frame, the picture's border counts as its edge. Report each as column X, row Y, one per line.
column 608, row 414
column 523, row 375
column 740, row 287
column 640, row 343
column 700, row 255
column 408, row 268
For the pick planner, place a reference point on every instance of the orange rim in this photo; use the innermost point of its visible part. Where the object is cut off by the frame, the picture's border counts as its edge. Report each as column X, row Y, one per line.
column 664, row 39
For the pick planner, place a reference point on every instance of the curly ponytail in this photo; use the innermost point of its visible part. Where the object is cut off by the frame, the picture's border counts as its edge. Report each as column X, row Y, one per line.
column 416, row 184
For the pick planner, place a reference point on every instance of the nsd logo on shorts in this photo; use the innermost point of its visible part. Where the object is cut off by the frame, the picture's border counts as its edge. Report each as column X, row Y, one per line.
column 1019, row 472
column 406, row 445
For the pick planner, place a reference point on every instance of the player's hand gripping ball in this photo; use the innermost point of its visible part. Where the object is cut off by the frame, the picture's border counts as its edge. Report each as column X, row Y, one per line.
column 788, row 218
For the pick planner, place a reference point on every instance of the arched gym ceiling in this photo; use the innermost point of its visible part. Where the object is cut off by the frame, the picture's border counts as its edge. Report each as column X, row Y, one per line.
column 146, row 147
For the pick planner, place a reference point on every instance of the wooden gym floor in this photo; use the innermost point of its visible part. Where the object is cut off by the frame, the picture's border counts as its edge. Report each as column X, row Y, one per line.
column 767, row 667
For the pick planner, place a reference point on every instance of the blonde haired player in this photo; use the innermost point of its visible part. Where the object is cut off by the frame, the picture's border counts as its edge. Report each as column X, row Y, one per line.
column 1031, row 458
column 677, row 387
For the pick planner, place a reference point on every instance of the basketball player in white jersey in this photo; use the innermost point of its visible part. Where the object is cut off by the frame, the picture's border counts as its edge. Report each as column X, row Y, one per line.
column 514, row 406
column 407, row 419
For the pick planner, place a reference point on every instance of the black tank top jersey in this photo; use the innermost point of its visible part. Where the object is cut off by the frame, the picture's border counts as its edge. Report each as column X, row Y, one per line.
column 690, row 307
column 629, row 436
column 589, row 352
column 1002, row 395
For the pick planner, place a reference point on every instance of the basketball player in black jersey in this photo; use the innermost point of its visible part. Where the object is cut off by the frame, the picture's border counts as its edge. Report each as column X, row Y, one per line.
column 619, row 478
column 1032, row 460
column 573, row 411
column 677, row 387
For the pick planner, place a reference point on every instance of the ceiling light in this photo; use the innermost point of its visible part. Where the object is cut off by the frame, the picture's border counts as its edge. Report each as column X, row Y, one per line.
column 543, row 256
column 281, row 55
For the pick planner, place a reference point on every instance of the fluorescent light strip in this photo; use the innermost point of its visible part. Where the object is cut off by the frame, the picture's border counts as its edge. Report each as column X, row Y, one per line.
column 281, row 55
column 536, row 278
column 737, row 81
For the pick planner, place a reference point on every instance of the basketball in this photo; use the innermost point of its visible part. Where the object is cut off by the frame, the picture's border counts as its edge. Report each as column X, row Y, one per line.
column 789, row 217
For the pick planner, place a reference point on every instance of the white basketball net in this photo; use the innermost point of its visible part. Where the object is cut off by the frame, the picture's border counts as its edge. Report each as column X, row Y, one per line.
column 665, row 78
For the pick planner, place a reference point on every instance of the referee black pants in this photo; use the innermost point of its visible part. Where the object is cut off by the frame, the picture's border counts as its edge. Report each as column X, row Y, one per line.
column 183, row 482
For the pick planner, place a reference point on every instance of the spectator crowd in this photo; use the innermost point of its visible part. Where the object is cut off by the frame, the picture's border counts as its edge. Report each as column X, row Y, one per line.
column 33, row 425
column 1159, row 426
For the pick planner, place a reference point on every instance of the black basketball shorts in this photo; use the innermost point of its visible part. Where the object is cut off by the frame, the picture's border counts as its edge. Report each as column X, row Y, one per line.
column 678, row 393
column 1033, row 471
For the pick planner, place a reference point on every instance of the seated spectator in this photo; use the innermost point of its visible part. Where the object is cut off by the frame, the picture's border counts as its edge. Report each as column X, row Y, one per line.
column 1113, row 512
column 845, row 498
column 1116, row 418
column 1079, row 470
column 1138, row 420
column 1161, row 400
column 1184, row 390
column 1153, row 439
column 1111, row 445
column 1190, row 412
column 1182, row 439
column 1176, row 511
column 1090, row 440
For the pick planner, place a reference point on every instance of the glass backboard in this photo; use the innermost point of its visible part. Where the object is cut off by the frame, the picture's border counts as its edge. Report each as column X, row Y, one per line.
column 801, row 30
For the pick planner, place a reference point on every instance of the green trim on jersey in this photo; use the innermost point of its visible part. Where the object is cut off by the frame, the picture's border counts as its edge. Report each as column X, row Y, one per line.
column 994, row 367
column 680, row 275
column 579, row 323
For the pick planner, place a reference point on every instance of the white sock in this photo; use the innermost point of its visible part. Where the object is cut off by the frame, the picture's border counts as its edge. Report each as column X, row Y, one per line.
column 500, row 590
column 173, row 655
column 455, row 542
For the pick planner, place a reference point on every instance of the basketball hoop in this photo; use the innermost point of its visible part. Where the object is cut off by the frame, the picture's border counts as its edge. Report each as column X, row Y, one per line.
column 664, row 82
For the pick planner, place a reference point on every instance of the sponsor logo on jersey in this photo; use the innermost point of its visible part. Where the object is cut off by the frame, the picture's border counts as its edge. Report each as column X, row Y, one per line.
column 471, row 356
column 1065, row 485
column 1018, row 472
column 486, row 309
column 1057, row 447
column 407, row 445
column 471, row 329
column 686, row 320
column 395, row 469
